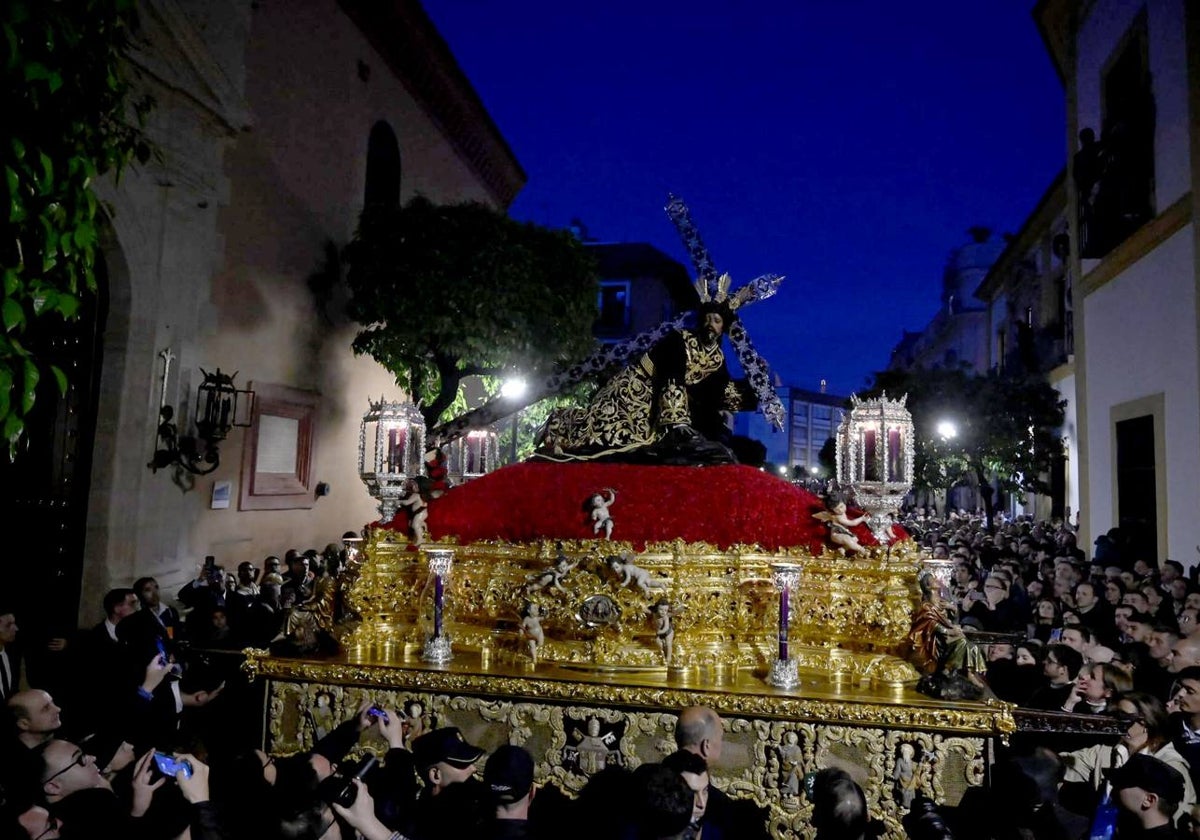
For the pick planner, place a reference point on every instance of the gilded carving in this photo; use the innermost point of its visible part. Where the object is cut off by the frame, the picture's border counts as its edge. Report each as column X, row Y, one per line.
column 849, row 616
column 770, row 746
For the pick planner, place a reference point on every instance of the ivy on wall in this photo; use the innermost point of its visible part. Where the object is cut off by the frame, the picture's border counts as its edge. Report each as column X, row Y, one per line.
column 70, row 118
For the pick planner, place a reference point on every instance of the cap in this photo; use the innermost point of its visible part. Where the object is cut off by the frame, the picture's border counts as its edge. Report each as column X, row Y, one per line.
column 508, row 773
column 444, row 745
column 1150, row 774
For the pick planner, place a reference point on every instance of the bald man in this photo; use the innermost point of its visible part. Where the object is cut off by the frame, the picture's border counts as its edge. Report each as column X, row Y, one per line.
column 699, row 730
column 35, row 715
column 1185, row 653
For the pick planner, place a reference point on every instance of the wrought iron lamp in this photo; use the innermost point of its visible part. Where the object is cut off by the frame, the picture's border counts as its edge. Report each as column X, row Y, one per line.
column 397, row 433
column 875, row 456
column 220, row 406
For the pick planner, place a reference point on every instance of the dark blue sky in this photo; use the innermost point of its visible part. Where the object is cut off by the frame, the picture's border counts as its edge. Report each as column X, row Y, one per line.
column 847, row 145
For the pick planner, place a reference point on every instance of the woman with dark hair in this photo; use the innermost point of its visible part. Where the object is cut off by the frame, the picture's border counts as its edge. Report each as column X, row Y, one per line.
column 1114, row 591
column 1047, row 617
column 1146, row 732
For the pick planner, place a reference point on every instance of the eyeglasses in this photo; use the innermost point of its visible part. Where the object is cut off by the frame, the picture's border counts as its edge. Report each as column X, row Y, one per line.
column 51, row 825
column 79, row 760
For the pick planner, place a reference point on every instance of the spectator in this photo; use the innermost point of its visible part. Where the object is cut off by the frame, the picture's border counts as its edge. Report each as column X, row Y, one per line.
column 453, row 802
column 1061, row 668
column 1147, row 733
column 839, row 806
column 10, row 663
column 1149, row 792
column 35, row 716
column 663, row 804
column 147, row 591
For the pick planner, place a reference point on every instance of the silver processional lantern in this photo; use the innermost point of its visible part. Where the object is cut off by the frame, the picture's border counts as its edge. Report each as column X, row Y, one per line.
column 391, row 449
column 875, row 457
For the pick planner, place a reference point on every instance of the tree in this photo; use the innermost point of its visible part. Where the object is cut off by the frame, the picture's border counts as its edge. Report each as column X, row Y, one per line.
column 450, row 291
column 69, row 119
column 1005, row 429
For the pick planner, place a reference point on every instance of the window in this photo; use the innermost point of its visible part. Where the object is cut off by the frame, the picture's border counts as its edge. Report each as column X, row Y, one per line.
column 1115, row 174
column 383, row 168
column 277, row 457
column 614, row 306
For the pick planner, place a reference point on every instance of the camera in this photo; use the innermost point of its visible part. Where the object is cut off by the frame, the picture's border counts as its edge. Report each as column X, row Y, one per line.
column 340, row 789
column 168, row 766
column 376, row 712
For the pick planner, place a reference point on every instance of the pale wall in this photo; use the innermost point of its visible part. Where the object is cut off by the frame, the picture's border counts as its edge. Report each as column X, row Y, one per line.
column 210, row 253
column 1142, row 341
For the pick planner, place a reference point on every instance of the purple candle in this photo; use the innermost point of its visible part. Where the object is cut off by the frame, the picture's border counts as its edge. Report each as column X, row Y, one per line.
column 783, row 622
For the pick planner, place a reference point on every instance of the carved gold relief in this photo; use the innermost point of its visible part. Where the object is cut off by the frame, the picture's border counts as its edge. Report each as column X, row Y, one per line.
column 766, row 756
column 849, row 616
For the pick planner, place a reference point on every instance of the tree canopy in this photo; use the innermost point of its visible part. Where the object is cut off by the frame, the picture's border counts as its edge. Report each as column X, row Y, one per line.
column 449, row 291
column 68, row 119
column 1006, row 429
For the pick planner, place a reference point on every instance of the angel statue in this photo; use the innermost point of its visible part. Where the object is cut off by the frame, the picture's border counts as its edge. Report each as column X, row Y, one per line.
column 840, row 524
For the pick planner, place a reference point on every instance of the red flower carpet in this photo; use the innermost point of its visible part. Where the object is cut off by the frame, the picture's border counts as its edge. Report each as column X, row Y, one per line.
column 722, row 506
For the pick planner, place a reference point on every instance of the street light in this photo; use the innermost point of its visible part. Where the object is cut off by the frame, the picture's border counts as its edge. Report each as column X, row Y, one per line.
column 514, row 389
column 947, row 430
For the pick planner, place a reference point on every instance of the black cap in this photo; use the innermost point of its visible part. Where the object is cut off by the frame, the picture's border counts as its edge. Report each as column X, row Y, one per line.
column 444, row 745
column 1151, row 775
column 508, row 773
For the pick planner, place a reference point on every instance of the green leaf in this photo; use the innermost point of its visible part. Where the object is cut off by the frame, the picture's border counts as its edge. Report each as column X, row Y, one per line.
column 18, row 149
column 13, row 314
column 68, row 306
column 14, row 427
column 12, row 280
column 60, row 378
column 45, row 298
column 32, row 377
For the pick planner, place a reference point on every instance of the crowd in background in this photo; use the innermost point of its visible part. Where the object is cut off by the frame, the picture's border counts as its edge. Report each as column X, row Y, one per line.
column 135, row 735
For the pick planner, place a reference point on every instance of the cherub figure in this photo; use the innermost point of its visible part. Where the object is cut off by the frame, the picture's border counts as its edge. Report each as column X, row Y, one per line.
column 531, row 629
column 840, row 524
column 553, row 575
column 598, row 506
column 414, row 505
column 664, row 628
column 623, row 565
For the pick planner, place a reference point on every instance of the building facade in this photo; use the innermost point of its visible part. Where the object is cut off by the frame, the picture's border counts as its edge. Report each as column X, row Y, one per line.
column 1132, row 78
column 274, row 124
column 957, row 335
column 1030, row 331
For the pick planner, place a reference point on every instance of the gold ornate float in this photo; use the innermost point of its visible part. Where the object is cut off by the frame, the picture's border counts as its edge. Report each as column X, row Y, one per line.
column 849, row 616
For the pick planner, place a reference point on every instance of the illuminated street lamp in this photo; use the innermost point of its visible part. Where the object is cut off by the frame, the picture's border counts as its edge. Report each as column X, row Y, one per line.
column 947, row 430
column 514, row 389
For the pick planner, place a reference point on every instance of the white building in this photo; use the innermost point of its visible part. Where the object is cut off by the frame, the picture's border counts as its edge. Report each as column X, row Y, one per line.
column 1132, row 78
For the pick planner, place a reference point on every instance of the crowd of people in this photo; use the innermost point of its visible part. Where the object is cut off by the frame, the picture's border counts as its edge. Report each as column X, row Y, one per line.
column 134, row 741
column 1058, row 630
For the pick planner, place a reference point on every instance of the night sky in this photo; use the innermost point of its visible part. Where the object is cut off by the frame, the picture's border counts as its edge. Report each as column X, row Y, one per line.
column 847, row 145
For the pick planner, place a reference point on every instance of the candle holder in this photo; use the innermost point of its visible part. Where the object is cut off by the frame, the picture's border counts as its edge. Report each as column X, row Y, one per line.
column 437, row 647
column 783, row 673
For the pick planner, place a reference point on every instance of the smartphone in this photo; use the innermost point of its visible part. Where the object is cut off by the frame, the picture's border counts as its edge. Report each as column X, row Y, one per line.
column 376, row 712
column 1056, row 635
column 168, row 765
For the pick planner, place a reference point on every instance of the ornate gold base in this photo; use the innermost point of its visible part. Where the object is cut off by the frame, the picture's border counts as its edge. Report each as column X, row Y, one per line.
column 849, row 617
column 575, row 721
